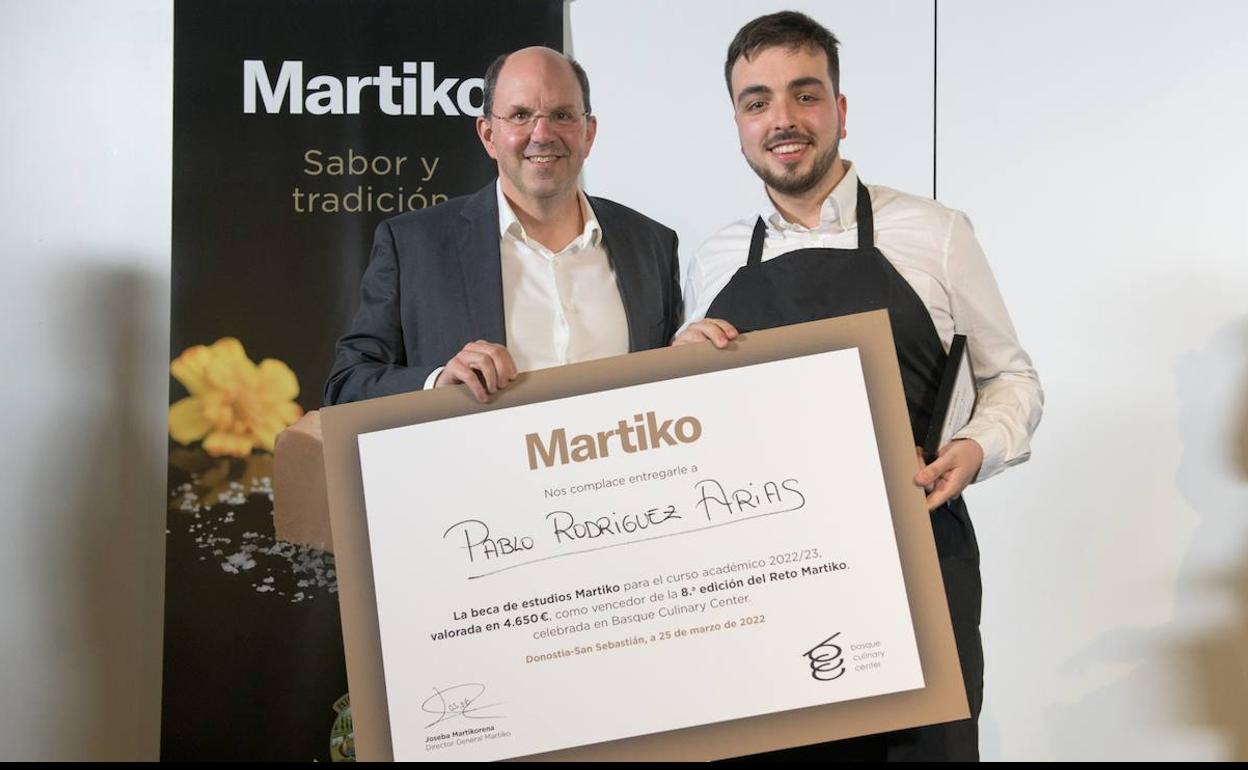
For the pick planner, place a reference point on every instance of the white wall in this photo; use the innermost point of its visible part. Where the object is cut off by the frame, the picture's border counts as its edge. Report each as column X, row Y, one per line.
column 667, row 144
column 1099, row 148
column 84, row 329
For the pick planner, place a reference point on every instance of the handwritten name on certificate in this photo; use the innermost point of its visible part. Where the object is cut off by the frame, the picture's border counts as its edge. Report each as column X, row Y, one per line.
column 634, row 561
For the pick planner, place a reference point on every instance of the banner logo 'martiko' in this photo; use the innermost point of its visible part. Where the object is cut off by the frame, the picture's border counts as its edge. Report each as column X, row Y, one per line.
column 417, row 91
column 645, row 432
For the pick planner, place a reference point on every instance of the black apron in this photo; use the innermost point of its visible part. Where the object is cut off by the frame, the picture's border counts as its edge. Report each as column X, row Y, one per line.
column 816, row 283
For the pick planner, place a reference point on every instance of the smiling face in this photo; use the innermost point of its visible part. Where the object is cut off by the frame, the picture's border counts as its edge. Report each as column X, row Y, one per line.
column 790, row 119
column 538, row 163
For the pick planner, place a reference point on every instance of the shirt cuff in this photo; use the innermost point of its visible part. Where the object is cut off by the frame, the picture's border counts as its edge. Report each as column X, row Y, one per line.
column 992, row 443
column 433, row 378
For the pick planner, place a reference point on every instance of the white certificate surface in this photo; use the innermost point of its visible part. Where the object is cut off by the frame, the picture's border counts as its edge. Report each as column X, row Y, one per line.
column 635, row 560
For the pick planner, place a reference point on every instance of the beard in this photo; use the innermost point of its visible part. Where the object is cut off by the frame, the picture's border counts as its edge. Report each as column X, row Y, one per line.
column 790, row 182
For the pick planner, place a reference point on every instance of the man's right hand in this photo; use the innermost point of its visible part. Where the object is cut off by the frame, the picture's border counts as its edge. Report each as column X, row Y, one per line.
column 719, row 333
column 483, row 366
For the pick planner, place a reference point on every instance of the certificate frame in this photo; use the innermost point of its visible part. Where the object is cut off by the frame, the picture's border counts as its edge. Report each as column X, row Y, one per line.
column 943, row 698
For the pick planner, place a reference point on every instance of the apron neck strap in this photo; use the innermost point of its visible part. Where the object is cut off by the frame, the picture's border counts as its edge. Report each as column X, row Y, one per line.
column 866, row 228
column 866, row 222
column 756, row 243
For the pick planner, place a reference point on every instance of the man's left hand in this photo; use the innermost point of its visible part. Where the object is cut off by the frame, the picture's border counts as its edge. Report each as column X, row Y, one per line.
column 714, row 330
column 956, row 466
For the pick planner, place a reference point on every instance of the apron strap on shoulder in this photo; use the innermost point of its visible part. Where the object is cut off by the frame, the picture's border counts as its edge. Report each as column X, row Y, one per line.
column 866, row 222
column 756, row 243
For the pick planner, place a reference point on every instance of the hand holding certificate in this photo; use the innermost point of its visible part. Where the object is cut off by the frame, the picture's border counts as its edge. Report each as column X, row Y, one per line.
column 684, row 561
column 951, row 464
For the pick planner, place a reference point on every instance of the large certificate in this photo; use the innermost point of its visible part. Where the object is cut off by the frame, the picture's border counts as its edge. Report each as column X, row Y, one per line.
column 626, row 569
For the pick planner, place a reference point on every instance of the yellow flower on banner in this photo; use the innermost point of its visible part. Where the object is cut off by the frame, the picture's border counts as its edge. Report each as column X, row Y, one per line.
column 235, row 405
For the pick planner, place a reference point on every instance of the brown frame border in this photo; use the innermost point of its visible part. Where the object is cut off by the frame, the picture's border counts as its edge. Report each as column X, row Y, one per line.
column 942, row 700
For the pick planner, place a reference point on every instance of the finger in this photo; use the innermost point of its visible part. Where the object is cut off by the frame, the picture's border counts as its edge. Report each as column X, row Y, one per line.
column 480, row 346
column 716, row 336
column 940, row 493
column 484, row 364
column 462, row 373
column 711, row 331
column 480, row 356
column 918, row 456
column 504, row 364
column 928, row 475
column 508, row 364
column 689, row 336
column 728, row 329
column 937, row 498
column 948, row 487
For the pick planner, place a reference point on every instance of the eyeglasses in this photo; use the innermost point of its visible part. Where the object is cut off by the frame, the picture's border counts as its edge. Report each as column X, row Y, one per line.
column 558, row 118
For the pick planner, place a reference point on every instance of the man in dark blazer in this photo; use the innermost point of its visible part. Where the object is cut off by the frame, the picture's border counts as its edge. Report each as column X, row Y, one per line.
column 526, row 273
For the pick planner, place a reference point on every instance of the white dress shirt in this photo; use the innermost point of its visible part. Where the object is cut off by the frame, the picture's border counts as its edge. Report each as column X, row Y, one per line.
column 935, row 251
column 559, row 308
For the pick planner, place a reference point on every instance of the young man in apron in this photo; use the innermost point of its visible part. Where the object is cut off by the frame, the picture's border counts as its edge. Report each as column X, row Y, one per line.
column 829, row 245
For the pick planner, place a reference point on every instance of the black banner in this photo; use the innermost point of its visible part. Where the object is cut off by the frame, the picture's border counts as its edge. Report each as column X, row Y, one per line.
column 298, row 126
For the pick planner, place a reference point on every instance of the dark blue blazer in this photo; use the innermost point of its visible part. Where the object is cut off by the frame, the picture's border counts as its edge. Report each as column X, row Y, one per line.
column 434, row 283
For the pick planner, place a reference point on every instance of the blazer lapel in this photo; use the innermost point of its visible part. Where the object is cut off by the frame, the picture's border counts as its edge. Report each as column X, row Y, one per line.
column 621, row 247
column 481, row 261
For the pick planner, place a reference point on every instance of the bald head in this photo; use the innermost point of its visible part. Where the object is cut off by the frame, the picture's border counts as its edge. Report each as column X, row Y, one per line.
column 530, row 63
column 536, row 125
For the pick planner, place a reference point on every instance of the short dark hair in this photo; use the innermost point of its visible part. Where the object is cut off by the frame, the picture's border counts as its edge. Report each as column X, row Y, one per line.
column 787, row 28
column 491, row 81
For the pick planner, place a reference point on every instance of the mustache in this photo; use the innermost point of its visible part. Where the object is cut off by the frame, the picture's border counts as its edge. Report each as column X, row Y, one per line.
column 546, row 148
column 787, row 136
